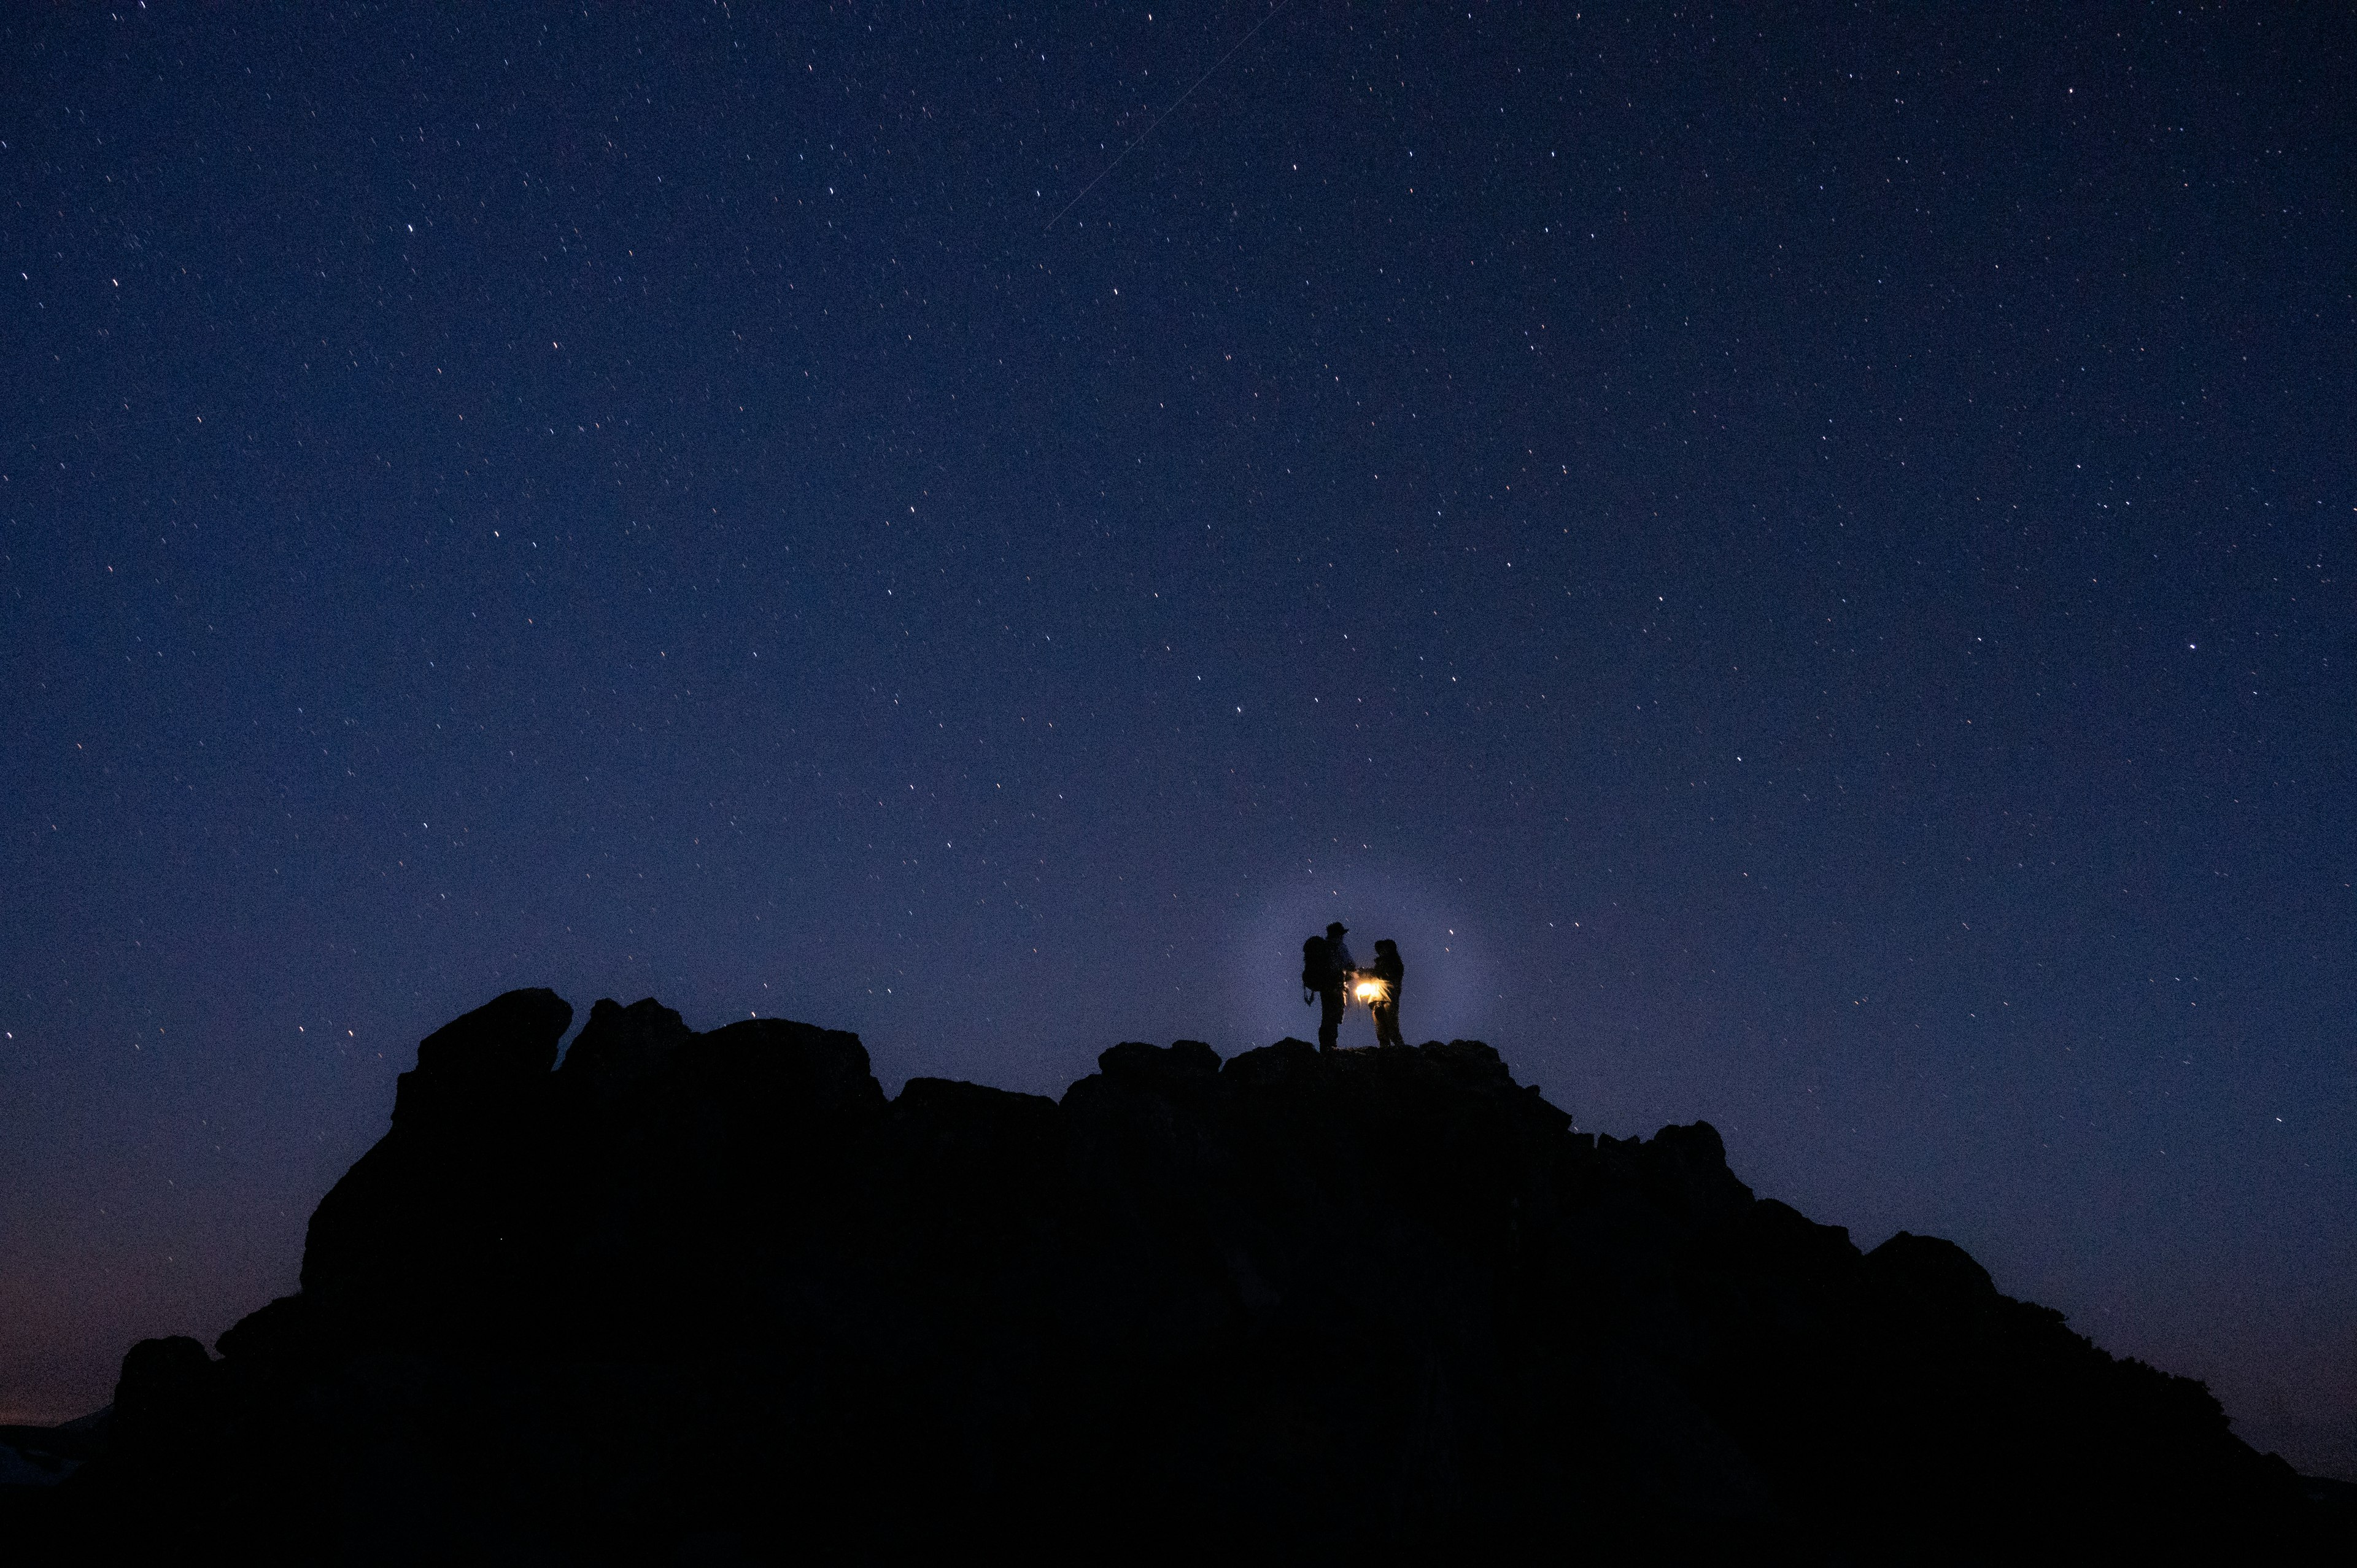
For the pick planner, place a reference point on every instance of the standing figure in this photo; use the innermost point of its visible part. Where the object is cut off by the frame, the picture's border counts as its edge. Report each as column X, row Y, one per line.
column 1386, row 1007
column 1331, row 985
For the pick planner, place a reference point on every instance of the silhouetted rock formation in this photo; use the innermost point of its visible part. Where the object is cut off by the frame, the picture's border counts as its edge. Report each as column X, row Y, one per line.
column 712, row 1297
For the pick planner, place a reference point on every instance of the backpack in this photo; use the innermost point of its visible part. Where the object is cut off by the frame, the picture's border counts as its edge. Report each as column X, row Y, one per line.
column 1317, row 964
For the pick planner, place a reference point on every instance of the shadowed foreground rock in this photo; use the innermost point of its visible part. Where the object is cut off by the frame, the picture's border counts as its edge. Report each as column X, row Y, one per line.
column 711, row 1298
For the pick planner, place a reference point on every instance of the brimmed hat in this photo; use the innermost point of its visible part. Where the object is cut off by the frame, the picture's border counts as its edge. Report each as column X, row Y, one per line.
column 1334, row 925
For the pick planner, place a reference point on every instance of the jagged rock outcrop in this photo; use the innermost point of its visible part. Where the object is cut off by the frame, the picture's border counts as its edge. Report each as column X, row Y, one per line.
column 712, row 1298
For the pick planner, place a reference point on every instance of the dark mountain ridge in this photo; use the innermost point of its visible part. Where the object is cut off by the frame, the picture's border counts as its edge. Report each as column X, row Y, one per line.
column 711, row 1297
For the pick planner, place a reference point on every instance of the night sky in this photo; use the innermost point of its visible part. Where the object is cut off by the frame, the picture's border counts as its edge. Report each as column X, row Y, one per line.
column 1799, row 560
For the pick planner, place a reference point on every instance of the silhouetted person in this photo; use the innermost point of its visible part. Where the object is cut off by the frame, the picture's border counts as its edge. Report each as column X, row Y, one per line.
column 1388, row 969
column 1331, row 982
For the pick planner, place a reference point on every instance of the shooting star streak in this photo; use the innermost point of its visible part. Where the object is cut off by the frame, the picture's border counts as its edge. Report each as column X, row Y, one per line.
column 1182, row 98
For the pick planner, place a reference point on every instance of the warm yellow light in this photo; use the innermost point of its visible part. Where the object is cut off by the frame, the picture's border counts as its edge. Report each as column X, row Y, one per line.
column 1370, row 991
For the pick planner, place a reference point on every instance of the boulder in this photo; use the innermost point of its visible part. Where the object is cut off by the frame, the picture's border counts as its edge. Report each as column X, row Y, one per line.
column 715, row 1297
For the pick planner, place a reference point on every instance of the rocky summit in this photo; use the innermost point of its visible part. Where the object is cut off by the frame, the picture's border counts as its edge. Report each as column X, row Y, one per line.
column 712, row 1298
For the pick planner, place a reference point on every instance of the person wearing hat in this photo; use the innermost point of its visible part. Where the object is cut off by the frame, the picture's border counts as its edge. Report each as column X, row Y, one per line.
column 1335, row 994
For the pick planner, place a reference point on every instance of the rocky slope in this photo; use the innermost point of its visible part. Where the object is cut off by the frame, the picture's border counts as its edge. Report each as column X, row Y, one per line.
column 712, row 1298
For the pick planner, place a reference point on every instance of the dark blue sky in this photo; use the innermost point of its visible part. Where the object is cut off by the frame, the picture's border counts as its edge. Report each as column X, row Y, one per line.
column 1800, row 561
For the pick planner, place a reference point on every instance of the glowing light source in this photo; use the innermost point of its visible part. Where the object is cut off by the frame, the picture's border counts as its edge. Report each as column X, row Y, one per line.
column 1369, row 990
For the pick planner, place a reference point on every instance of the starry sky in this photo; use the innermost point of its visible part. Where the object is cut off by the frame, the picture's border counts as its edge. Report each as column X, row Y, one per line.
column 1798, row 559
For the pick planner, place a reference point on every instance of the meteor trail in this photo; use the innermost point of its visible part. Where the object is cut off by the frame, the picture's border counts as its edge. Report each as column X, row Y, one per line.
column 1182, row 98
